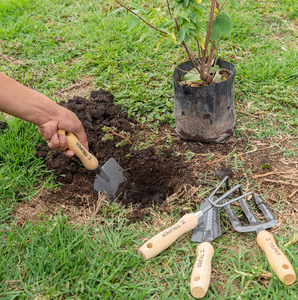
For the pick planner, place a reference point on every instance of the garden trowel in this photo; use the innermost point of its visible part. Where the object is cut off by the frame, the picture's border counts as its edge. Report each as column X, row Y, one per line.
column 205, row 232
column 108, row 177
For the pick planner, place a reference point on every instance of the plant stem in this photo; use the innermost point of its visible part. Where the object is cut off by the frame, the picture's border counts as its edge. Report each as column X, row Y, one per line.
column 169, row 9
column 163, row 32
column 215, row 61
column 210, row 57
column 203, row 73
column 120, row 135
column 220, row 9
column 186, row 48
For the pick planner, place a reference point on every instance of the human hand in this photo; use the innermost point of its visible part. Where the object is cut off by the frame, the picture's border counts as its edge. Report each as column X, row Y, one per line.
column 65, row 120
column 40, row 110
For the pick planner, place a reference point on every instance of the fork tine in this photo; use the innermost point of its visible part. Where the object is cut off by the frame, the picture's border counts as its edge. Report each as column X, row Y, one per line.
column 251, row 217
column 232, row 216
column 264, row 208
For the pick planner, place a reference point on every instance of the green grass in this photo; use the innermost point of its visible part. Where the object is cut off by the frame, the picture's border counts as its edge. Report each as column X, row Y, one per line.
column 53, row 43
column 20, row 170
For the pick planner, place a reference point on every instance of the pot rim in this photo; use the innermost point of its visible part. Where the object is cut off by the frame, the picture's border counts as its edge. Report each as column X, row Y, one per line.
column 188, row 62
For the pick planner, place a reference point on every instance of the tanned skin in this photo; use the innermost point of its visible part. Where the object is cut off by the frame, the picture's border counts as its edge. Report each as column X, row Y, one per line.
column 22, row 102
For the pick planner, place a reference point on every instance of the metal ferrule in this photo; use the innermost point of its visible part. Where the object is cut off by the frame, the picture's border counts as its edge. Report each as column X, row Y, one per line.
column 101, row 173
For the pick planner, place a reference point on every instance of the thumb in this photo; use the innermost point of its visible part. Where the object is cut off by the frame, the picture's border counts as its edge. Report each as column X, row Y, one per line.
column 82, row 137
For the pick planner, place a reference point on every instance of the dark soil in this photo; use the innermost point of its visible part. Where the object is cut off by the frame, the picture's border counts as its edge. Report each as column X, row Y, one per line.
column 159, row 172
column 3, row 125
column 154, row 176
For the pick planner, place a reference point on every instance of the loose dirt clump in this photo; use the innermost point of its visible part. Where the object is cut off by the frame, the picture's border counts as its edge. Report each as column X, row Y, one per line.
column 152, row 177
column 161, row 168
column 3, row 125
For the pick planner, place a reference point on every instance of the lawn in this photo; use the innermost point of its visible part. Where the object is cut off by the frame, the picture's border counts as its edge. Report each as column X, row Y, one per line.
column 67, row 48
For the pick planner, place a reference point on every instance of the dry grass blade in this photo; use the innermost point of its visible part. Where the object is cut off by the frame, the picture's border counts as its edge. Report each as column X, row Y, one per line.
column 281, row 182
column 293, row 240
column 273, row 173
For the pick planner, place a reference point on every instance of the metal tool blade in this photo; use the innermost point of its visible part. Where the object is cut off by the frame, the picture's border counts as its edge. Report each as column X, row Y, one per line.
column 255, row 224
column 208, row 227
column 109, row 179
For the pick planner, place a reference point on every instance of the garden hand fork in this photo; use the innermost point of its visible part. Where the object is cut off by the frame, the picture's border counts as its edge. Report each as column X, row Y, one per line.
column 277, row 260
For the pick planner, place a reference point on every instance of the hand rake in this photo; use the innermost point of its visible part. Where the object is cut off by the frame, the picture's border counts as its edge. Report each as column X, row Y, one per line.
column 277, row 260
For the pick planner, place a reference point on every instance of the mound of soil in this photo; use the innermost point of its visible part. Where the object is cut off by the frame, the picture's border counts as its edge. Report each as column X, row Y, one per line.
column 169, row 168
column 154, row 176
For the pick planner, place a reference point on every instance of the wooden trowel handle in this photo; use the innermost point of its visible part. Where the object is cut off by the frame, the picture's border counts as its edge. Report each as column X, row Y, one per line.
column 277, row 260
column 88, row 160
column 167, row 237
column 201, row 272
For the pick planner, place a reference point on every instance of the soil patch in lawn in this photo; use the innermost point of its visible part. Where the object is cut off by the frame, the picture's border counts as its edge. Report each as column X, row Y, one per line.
column 154, row 176
column 161, row 165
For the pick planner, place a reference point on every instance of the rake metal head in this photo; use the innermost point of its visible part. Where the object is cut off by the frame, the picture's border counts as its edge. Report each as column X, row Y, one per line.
column 255, row 224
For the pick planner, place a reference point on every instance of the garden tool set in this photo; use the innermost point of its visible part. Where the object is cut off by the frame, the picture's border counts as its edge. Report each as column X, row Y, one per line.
column 206, row 225
column 108, row 177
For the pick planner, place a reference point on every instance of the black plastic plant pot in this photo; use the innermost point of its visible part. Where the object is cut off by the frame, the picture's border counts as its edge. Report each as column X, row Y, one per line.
column 206, row 113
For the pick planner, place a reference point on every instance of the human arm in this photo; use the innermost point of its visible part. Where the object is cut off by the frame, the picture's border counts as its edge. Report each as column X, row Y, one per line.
column 27, row 104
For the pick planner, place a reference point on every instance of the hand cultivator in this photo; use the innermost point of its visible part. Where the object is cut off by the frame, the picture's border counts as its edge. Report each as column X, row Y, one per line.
column 206, row 225
column 277, row 260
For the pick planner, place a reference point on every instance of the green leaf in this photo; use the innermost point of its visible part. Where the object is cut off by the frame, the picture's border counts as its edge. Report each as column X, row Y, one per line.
column 184, row 16
column 215, row 32
column 217, row 77
column 181, row 35
column 190, row 26
column 186, row 2
column 146, row 32
column 191, row 76
column 224, row 22
column 212, row 69
column 173, row 38
column 266, row 166
column 113, row 12
column 179, row 20
column 158, row 43
column 187, row 38
column 138, row 7
column 132, row 22
column 221, row 25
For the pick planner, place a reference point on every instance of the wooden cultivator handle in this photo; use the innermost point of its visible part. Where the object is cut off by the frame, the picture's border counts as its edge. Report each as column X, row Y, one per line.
column 88, row 160
column 167, row 237
column 277, row 260
column 201, row 272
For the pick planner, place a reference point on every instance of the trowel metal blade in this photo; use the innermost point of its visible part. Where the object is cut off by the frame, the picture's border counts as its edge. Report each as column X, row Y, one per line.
column 208, row 228
column 109, row 179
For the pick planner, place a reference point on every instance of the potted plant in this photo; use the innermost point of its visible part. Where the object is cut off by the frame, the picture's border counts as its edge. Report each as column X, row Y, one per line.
column 203, row 85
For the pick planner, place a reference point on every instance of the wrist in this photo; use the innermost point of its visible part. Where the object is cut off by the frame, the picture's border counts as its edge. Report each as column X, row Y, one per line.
column 45, row 111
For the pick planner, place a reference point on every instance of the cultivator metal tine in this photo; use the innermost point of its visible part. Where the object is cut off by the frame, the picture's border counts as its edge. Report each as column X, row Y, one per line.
column 232, row 216
column 265, row 209
column 254, row 223
column 253, row 220
column 251, row 217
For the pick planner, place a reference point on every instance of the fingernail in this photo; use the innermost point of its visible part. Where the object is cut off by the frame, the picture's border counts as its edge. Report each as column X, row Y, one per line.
column 63, row 139
column 55, row 136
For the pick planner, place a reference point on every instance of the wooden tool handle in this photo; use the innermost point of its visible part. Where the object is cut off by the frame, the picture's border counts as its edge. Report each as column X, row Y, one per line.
column 277, row 260
column 88, row 160
column 167, row 237
column 201, row 272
